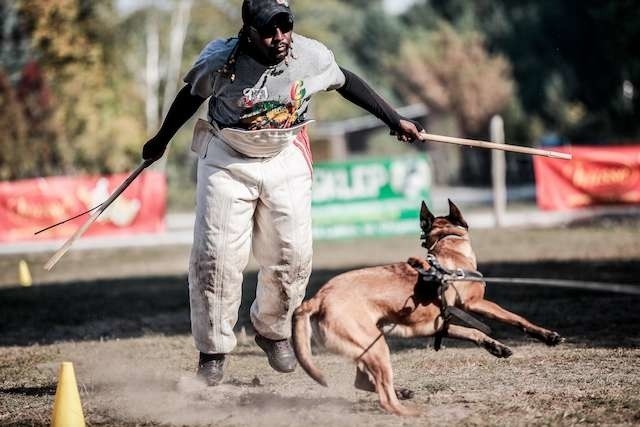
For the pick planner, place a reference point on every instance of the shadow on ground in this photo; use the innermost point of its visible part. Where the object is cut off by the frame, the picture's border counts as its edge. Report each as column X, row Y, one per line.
column 135, row 307
column 48, row 390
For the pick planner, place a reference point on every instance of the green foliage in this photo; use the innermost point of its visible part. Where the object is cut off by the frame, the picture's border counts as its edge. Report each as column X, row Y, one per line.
column 13, row 129
column 208, row 22
column 569, row 59
column 547, row 66
column 378, row 39
column 68, row 92
column 334, row 22
column 452, row 72
column 72, row 37
column 14, row 46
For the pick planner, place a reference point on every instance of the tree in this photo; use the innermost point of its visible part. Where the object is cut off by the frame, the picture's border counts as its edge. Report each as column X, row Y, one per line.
column 378, row 37
column 71, row 41
column 14, row 45
column 576, row 63
column 13, row 129
column 454, row 72
column 44, row 151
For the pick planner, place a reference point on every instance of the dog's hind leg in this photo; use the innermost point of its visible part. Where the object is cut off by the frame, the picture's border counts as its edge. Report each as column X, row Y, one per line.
column 494, row 311
column 364, row 345
column 481, row 339
column 363, row 382
column 377, row 361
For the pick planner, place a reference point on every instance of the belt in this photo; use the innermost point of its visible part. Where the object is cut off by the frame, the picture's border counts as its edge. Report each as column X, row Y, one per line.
column 262, row 143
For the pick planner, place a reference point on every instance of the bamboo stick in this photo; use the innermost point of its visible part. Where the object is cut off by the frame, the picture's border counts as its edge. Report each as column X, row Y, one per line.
column 495, row 146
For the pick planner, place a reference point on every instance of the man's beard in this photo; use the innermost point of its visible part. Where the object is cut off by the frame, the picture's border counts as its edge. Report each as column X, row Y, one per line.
column 279, row 51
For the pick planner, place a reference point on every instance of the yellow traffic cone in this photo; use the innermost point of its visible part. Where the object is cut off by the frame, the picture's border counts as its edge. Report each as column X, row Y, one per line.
column 24, row 275
column 67, row 409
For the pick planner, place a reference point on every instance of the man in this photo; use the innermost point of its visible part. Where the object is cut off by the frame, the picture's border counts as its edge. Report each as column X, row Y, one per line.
column 254, row 175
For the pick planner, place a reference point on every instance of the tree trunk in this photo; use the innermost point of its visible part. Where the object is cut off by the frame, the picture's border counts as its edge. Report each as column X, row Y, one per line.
column 152, row 74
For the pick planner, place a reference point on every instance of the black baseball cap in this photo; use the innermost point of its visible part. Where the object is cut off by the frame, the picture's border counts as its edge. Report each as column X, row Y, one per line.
column 258, row 13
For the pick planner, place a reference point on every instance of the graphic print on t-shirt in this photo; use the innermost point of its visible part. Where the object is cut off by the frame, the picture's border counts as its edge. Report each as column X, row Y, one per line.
column 273, row 114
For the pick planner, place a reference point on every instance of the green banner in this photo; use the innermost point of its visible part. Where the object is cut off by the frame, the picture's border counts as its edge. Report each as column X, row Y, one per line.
column 372, row 197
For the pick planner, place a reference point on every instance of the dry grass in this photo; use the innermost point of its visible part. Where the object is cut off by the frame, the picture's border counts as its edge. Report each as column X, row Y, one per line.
column 129, row 341
column 148, row 381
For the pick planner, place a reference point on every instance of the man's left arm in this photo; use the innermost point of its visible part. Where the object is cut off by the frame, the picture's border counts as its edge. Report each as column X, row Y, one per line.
column 360, row 93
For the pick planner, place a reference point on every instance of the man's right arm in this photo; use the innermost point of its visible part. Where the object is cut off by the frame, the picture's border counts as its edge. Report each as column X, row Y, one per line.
column 360, row 93
column 183, row 107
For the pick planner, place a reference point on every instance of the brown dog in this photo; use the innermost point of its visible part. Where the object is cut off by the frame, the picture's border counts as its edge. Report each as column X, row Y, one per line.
column 351, row 311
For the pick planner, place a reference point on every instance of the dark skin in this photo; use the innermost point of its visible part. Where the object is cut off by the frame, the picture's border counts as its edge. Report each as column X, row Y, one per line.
column 270, row 46
column 408, row 132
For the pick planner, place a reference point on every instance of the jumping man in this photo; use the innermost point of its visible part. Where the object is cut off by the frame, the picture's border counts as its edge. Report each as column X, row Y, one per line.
column 254, row 175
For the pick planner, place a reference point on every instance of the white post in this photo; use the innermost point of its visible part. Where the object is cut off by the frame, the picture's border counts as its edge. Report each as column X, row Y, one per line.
column 179, row 25
column 338, row 150
column 152, row 74
column 498, row 172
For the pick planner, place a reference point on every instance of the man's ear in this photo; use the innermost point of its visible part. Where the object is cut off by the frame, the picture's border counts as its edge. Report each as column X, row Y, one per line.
column 426, row 218
column 455, row 216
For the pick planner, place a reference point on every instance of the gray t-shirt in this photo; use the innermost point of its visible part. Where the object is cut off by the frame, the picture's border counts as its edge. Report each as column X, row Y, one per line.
column 263, row 97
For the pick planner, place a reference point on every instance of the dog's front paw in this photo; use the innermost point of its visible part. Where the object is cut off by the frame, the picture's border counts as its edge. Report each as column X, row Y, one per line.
column 497, row 349
column 404, row 393
column 553, row 338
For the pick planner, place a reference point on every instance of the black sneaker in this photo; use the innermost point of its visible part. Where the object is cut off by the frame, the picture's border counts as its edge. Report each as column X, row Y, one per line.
column 279, row 352
column 210, row 368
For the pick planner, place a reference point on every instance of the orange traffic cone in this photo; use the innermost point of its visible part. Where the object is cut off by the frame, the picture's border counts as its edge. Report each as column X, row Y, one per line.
column 24, row 275
column 67, row 409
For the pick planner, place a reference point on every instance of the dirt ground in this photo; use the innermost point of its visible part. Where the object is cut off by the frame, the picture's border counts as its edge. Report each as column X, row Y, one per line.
column 128, row 338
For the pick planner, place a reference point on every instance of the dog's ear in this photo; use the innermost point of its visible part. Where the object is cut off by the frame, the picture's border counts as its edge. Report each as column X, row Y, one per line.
column 426, row 218
column 455, row 216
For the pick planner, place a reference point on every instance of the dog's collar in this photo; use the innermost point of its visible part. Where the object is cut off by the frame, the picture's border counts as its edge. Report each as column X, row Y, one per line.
column 453, row 236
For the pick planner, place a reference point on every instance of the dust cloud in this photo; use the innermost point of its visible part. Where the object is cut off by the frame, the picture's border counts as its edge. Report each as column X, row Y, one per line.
column 156, row 390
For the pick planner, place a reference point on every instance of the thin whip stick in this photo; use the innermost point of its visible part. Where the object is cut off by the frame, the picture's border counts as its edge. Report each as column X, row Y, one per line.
column 94, row 216
column 67, row 220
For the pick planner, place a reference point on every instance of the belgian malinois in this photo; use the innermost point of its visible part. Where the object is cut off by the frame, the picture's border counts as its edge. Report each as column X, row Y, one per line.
column 352, row 310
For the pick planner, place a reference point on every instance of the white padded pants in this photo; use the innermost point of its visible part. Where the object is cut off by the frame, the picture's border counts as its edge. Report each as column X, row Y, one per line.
column 244, row 203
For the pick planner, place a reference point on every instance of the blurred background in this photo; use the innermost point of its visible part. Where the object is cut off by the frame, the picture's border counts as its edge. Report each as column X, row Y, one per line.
column 83, row 84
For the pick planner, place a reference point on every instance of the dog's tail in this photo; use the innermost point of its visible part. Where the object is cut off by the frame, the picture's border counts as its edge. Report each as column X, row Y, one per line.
column 302, row 339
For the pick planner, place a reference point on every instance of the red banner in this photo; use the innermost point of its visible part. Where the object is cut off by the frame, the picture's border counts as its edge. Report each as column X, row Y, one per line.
column 30, row 205
column 595, row 176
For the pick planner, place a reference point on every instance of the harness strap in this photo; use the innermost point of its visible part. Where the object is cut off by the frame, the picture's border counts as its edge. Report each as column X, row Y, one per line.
column 442, row 276
column 469, row 319
column 449, row 236
column 437, row 343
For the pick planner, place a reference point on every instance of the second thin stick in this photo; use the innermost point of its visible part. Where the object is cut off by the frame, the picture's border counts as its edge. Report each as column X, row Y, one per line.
column 495, row 146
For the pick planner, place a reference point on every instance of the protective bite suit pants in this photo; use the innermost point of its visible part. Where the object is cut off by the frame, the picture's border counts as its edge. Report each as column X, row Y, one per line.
column 246, row 203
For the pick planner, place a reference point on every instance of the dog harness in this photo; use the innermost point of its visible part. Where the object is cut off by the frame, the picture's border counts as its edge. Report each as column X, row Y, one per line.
column 439, row 276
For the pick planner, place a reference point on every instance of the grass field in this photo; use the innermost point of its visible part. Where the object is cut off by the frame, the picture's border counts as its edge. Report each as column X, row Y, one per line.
column 128, row 338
